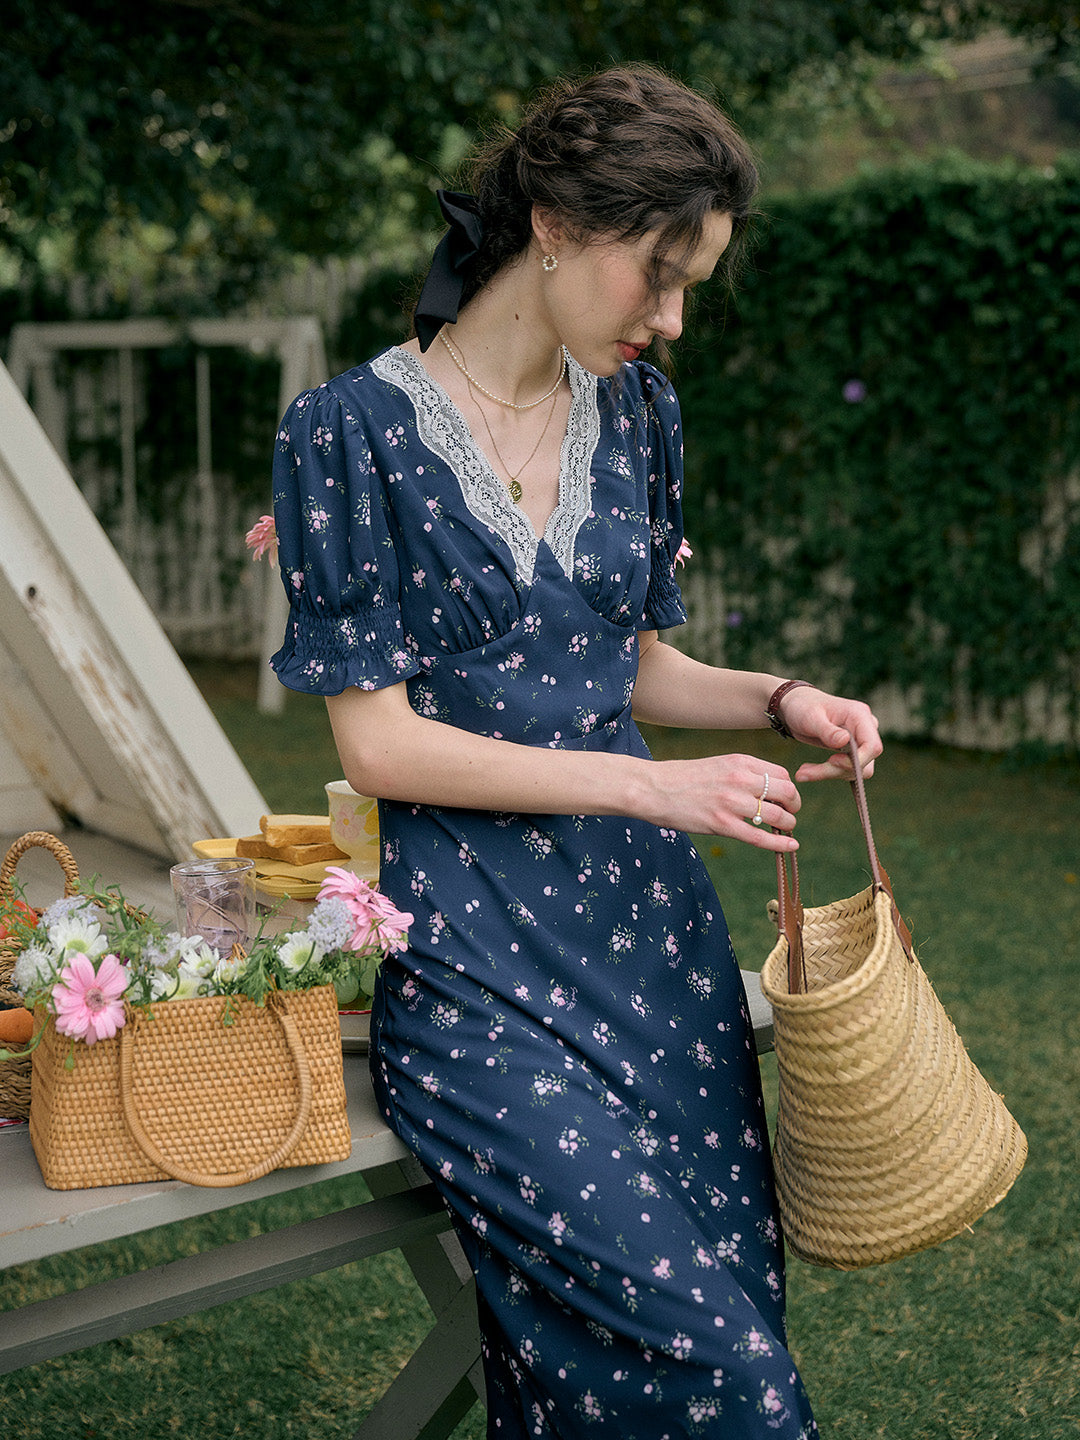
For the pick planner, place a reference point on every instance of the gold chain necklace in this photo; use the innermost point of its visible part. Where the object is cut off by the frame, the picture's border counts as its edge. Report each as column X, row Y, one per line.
column 459, row 361
column 514, row 485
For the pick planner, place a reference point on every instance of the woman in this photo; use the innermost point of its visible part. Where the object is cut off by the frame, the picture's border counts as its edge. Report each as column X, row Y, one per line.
column 479, row 532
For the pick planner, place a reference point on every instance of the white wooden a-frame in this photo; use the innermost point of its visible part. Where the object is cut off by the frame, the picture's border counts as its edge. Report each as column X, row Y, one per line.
column 100, row 723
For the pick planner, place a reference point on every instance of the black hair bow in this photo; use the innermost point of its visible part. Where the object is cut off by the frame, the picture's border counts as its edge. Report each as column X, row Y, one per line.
column 440, row 298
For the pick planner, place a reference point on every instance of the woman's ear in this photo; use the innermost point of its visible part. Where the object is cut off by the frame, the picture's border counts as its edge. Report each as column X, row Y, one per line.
column 548, row 230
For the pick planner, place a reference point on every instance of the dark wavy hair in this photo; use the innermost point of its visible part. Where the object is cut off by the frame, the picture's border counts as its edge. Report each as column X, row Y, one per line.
column 617, row 155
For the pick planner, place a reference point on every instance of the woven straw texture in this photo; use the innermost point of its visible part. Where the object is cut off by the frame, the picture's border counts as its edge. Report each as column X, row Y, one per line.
column 213, row 1104
column 888, row 1138
column 15, row 1074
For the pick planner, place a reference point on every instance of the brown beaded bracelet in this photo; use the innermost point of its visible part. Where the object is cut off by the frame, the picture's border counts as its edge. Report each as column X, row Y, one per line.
column 772, row 710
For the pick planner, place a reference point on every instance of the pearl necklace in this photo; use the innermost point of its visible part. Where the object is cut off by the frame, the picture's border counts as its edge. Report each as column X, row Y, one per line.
column 459, row 361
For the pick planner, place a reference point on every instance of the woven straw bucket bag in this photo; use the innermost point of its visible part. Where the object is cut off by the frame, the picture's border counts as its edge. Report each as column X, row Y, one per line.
column 888, row 1138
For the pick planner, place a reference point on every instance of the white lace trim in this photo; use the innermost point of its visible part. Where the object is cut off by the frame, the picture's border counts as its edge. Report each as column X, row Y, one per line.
column 443, row 429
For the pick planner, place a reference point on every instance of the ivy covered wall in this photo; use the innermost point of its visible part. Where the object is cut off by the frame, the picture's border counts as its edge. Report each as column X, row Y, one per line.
column 883, row 446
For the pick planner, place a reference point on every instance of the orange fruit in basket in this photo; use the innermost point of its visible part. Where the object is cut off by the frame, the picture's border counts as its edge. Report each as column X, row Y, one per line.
column 16, row 1026
column 12, row 909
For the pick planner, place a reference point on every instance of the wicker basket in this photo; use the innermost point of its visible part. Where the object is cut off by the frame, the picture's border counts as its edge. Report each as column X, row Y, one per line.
column 888, row 1138
column 178, row 1093
column 15, row 1074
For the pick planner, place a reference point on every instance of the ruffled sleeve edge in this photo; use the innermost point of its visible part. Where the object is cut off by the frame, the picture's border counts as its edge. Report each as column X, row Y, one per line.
column 664, row 608
column 324, row 655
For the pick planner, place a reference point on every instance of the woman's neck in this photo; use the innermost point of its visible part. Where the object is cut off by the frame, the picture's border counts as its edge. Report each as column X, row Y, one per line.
column 506, row 341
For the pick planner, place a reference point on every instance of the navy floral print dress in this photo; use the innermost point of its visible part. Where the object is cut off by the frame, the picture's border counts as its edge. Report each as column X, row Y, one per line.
column 565, row 1044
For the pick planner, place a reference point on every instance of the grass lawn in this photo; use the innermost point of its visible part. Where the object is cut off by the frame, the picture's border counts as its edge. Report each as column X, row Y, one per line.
column 977, row 1340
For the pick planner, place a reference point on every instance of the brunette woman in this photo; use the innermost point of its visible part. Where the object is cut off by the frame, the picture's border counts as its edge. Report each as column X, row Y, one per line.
column 479, row 532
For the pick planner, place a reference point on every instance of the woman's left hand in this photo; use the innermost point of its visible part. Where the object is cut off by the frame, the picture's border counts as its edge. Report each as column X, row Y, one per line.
column 817, row 718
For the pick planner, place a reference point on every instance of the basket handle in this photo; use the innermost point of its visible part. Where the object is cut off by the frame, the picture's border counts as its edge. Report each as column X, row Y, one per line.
column 153, row 1151
column 55, row 847
column 790, row 915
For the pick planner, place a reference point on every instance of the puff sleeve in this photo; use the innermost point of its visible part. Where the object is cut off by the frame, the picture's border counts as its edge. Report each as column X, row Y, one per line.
column 335, row 551
column 664, row 453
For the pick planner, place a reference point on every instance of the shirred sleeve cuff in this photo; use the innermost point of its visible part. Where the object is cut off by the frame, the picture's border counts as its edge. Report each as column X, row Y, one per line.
column 664, row 607
column 326, row 654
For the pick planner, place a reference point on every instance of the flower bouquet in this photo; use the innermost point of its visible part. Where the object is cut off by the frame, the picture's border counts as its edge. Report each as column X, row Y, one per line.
column 155, row 1055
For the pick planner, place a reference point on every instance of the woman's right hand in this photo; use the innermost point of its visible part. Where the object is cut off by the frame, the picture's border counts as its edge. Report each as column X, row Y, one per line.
column 719, row 795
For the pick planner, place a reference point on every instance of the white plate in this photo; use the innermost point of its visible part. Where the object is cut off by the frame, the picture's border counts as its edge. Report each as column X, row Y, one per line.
column 355, row 1031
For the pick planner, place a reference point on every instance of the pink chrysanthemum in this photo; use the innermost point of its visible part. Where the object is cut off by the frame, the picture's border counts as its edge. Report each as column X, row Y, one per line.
column 378, row 921
column 262, row 540
column 88, row 1001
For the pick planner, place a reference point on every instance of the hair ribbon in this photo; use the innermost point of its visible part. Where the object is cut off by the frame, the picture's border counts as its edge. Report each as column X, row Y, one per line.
column 440, row 298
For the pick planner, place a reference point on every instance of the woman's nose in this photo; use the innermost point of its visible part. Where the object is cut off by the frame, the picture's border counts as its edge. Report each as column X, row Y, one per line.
column 668, row 319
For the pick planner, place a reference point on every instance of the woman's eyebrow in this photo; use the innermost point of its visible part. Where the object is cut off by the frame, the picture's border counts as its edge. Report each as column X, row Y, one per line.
column 673, row 271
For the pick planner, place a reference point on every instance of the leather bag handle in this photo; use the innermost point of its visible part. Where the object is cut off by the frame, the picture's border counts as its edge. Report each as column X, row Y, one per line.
column 153, row 1151
column 790, row 916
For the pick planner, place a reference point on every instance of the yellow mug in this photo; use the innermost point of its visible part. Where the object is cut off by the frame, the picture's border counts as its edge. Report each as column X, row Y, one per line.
column 354, row 827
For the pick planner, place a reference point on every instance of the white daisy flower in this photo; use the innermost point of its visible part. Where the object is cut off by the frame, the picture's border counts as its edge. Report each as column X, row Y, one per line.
column 162, row 985
column 191, row 982
column 228, row 968
column 77, row 933
column 197, row 956
column 297, row 950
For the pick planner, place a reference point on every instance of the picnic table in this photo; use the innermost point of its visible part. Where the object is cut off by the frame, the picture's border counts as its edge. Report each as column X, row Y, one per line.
column 441, row 1380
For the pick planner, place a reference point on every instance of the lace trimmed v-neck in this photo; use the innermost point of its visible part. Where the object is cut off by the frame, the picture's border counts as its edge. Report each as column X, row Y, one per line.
column 445, row 432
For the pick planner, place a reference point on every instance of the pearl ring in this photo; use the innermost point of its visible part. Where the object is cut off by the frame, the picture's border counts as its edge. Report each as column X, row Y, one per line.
column 757, row 818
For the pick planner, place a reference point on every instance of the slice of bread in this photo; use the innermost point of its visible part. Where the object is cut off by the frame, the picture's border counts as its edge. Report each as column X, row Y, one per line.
column 308, row 854
column 253, row 847
column 278, row 830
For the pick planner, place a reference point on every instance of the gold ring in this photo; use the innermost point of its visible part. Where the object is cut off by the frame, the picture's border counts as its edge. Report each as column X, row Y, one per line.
column 757, row 818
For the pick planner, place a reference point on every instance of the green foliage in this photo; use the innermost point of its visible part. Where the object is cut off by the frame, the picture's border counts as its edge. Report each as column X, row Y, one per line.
column 883, row 435
column 247, row 133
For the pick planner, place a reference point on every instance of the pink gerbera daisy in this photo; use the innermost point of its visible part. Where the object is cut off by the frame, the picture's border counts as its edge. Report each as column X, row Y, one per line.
column 262, row 540
column 378, row 921
column 88, row 1001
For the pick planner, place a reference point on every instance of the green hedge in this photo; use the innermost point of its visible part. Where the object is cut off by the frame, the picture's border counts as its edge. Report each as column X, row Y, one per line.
column 883, row 436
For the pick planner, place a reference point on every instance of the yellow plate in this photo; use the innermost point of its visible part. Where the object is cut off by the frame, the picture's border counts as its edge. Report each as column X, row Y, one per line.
column 279, row 886
column 226, row 850
column 277, row 879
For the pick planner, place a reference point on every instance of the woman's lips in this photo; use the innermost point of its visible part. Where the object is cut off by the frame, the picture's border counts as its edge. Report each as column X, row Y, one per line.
column 627, row 351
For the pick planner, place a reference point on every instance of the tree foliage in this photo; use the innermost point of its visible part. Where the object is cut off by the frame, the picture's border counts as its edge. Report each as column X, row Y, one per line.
column 271, row 125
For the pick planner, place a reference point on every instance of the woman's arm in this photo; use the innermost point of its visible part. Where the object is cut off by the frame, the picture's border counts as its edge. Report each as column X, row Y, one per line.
column 674, row 689
column 388, row 750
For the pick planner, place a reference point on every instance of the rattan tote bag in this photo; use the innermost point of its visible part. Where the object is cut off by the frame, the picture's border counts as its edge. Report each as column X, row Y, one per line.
column 179, row 1093
column 888, row 1139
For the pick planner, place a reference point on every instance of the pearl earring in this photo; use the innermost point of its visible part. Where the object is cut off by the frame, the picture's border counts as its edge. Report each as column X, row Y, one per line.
column 549, row 263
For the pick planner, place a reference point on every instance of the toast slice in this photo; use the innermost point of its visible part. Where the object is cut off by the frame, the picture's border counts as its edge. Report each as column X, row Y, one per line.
column 278, row 830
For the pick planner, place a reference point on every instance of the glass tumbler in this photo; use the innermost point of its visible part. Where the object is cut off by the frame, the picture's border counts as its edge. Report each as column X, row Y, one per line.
column 216, row 899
